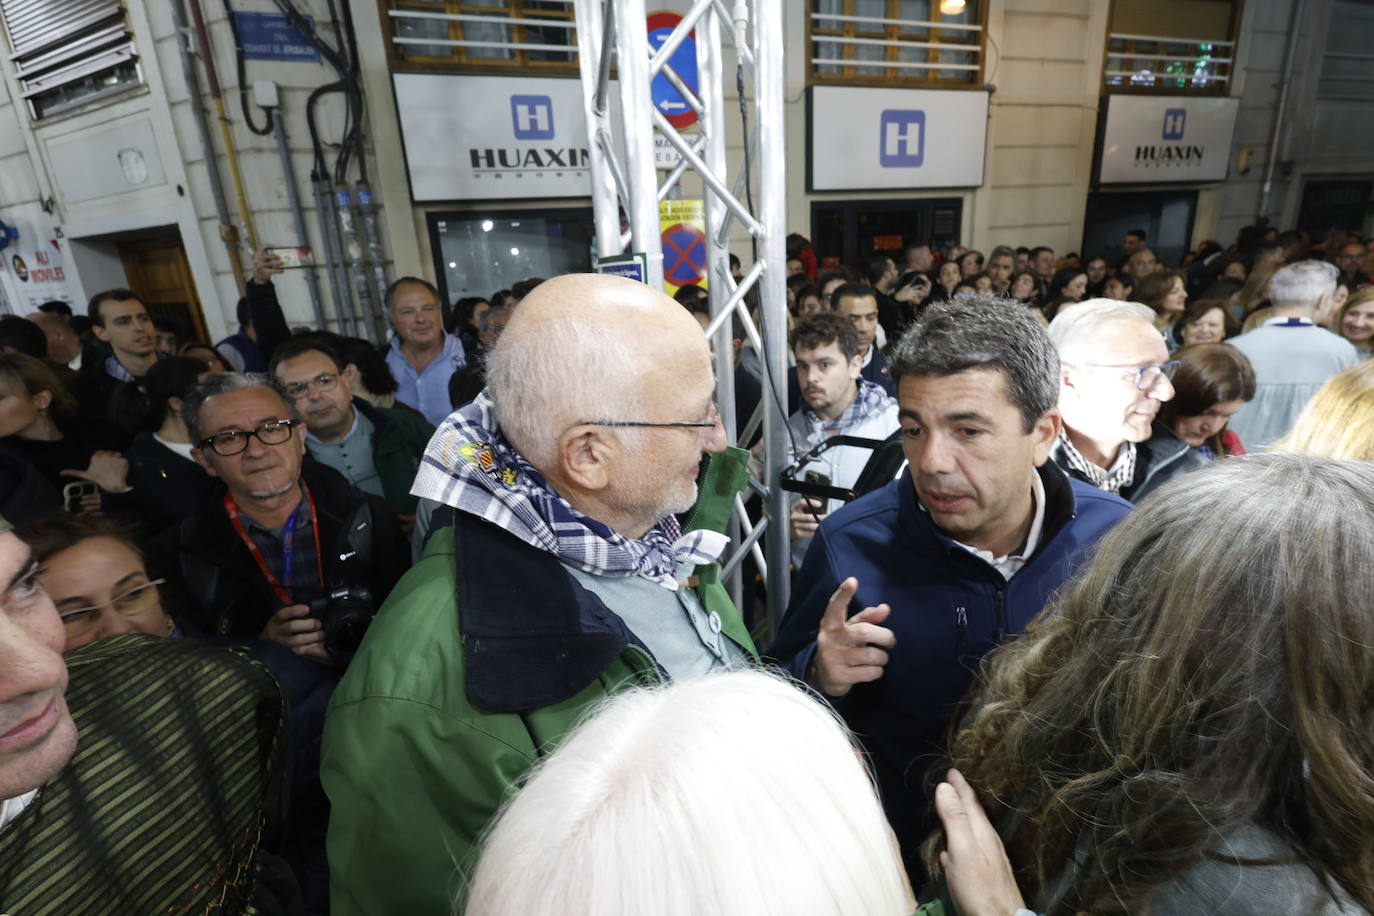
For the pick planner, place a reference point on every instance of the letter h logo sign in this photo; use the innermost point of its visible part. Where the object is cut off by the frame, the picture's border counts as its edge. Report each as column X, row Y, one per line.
column 1174, row 121
column 902, row 139
column 532, row 117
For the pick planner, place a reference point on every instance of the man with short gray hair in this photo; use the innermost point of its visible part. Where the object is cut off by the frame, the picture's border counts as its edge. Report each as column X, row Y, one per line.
column 952, row 557
column 1293, row 355
column 556, row 574
column 1114, row 375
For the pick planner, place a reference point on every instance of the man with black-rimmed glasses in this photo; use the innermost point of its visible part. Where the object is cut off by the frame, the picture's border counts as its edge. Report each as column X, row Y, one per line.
column 282, row 533
column 1114, row 374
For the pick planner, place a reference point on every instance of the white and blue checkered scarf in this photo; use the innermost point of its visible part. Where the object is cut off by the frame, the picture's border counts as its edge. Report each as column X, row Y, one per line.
column 470, row 466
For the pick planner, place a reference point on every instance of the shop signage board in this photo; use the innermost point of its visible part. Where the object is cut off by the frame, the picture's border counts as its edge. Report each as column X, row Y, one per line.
column 1152, row 139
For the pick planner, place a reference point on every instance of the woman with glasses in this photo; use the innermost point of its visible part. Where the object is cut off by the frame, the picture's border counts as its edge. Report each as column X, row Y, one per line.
column 94, row 571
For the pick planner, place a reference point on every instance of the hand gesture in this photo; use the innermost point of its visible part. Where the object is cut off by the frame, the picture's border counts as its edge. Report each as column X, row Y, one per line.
column 806, row 516
column 108, row 470
column 293, row 627
column 849, row 650
column 265, row 264
column 976, row 869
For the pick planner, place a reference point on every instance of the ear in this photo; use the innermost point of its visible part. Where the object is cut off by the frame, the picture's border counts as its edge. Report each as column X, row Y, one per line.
column 1046, row 430
column 351, row 374
column 100, row 333
column 174, row 405
column 202, row 460
column 42, row 400
column 585, row 455
column 856, row 367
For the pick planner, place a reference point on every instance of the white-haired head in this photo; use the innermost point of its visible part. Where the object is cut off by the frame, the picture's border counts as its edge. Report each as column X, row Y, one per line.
column 1077, row 326
column 1304, row 288
column 729, row 794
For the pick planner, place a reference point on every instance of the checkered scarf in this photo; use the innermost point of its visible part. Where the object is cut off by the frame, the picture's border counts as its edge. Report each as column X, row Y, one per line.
column 870, row 399
column 1121, row 474
column 470, row 466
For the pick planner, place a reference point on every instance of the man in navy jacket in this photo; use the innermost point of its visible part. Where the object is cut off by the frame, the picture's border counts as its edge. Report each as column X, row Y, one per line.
column 946, row 562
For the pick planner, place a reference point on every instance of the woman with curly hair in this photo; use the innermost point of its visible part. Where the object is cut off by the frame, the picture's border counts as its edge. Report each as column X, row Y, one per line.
column 1186, row 730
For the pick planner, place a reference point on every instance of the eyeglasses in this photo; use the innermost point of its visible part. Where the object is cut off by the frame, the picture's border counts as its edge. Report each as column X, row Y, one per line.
column 325, row 381
column 1146, row 377
column 136, row 600
column 273, row 432
column 711, row 422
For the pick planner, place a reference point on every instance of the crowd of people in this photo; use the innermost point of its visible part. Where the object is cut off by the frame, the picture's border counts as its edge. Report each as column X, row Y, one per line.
column 299, row 624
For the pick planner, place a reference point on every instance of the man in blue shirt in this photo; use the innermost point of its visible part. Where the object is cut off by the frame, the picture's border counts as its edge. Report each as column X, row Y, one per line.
column 422, row 356
column 961, row 551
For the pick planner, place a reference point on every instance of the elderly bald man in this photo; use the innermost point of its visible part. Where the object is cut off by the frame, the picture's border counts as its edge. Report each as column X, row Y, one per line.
column 555, row 574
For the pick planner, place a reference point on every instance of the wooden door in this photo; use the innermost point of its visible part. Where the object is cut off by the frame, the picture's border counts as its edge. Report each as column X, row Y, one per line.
column 159, row 273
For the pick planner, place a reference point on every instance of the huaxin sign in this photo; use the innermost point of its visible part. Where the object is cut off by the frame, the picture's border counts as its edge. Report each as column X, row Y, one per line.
column 492, row 137
column 1153, row 139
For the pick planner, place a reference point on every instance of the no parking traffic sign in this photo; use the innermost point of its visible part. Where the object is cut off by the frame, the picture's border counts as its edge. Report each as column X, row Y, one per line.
column 684, row 62
column 683, row 227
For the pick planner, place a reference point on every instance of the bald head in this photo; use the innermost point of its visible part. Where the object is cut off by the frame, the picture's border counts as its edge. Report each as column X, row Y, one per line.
column 585, row 347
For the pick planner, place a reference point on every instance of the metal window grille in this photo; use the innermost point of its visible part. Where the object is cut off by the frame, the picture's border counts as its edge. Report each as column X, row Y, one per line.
column 1347, row 67
column 68, row 53
column 532, row 36
column 1154, row 62
column 895, row 43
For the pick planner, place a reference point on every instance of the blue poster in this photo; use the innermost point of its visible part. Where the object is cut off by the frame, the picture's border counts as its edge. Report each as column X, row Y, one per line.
column 266, row 36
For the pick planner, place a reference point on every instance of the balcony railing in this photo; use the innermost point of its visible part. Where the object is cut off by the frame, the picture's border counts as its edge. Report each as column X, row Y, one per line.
column 1156, row 62
column 849, row 48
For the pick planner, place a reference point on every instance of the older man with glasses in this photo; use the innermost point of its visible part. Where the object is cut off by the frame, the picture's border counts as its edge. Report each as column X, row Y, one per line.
column 556, row 572
column 378, row 449
column 1114, row 374
column 284, row 543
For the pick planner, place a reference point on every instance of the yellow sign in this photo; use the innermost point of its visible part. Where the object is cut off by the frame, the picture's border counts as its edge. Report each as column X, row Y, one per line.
column 683, row 225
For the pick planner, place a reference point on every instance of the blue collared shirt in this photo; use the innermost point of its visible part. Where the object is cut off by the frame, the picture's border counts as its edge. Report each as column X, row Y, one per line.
column 427, row 391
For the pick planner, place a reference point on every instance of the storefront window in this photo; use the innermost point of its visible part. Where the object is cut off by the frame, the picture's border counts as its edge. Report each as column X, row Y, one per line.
column 480, row 253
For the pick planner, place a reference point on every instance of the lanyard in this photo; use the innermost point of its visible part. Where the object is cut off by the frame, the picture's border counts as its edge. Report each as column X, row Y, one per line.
column 288, row 547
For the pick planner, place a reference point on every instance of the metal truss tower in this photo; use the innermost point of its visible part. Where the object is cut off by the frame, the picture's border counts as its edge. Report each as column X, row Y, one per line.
column 617, row 30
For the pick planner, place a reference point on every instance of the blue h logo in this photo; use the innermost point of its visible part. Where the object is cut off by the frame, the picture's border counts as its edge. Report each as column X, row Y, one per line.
column 532, row 117
column 902, row 139
column 1174, row 121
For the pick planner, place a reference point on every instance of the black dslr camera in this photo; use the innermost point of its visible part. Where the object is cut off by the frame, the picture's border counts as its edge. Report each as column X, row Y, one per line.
column 345, row 614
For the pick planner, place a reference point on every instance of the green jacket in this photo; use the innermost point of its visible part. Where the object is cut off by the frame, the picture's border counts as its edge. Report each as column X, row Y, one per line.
column 398, row 444
column 441, row 713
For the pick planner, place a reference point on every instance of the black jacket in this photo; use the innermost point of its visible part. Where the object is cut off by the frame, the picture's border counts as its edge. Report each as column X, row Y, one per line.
column 207, row 563
column 166, row 487
column 1158, row 460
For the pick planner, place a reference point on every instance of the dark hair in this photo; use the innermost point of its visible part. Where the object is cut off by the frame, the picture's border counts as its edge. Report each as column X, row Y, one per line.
column 1062, row 278
column 499, row 298
column 116, row 295
column 1207, row 375
column 796, row 243
column 829, row 275
column 1035, row 252
column 1152, row 288
column 186, row 348
column 983, row 331
column 1034, row 298
column 851, row 291
column 1138, row 233
column 57, row 307
column 1196, row 308
column 389, row 297
column 312, row 342
column 373, row 371
column 877, row 268
column 224, row 383
column 734, row 260
column 36, row 376
column 1022, row 249
column 142, row 404
column 1122, row 277
column 167, row 326
column 691, row 296
column 24, row 336
column 821, row 329
column 522, row 289
column 461, row 315
column 243, row 313
column 55, row 532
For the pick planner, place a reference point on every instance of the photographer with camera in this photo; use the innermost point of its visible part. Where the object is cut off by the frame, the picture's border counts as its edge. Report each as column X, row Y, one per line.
column 286, row 549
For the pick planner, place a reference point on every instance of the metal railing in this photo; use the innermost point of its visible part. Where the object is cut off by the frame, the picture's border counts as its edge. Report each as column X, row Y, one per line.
column 1174, row 64
column 507, row 36
column 849, row 47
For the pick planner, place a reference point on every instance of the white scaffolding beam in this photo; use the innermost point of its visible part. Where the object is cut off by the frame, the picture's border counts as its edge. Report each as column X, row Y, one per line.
column 618, row 29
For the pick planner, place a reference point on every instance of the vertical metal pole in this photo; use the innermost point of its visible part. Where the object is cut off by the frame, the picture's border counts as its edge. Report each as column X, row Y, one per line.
column 329, row 231
column 372, row 243
column 293, row 193
column 768, row 97
column 712, row 128
column 593, row 50
column 636, row 104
